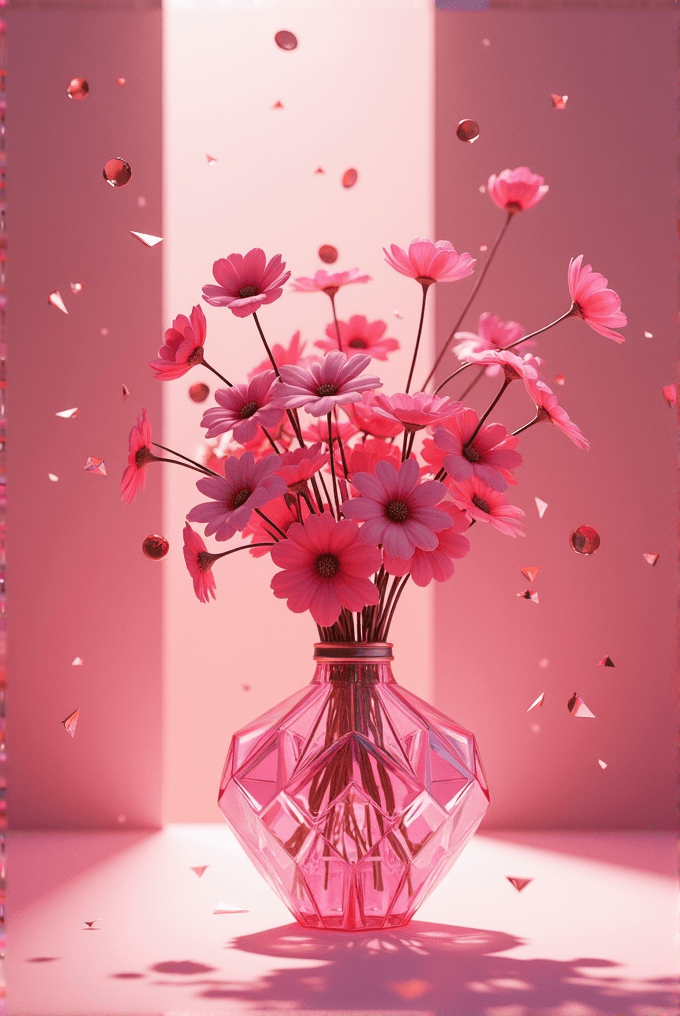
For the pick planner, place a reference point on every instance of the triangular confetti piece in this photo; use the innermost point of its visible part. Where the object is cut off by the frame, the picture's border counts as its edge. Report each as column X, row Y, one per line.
column 200, row 869
column 95, row 465
column 226, row 908
column 559, row 378
column 529, row 594
column 120, row 81
column 558, row 101
column 126, row 392
column 53, row 477
column 648, row 335
column 211, row 160
column 530, row 573
column 147, row 239
column 91, row 923
column 77, row 287
column 602, row 765
column 398, row 314
column 606, row 661
column 56, row 301
column 68, row 414
column 541, row 507
column 670, row 394
column 651, row 558
column 537, row 702
column 70, row 722
column 277, row 105
column 319, row 170
column 519, row 883
column 78, row 662
column 577, row 707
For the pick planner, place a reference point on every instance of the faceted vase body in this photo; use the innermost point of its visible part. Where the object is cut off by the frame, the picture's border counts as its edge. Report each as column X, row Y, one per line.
column 353, row 797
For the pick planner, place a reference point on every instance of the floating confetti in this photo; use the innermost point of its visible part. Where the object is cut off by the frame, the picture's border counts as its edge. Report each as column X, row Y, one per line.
column 103, row 331
column 398, row 314
column 349, row 178
column 606, row 661
column 484, row 247
column 543, row 663
column 670, row 394
column 78, row 88
column 226, row 908
column 602, row 765
column 468, row 130
column 70, row 722
column 286, row 40
column 53, row 477
column 648, row 335
column 541, row 507
column 78, row 662
column 68, row 414
column 559, row 378
column 530, row 573
column 535, row 729
column 651, row 558
column 141, row 201
column 519, row 883
column 117, row 172
column 319, row 170
column 56, row 301
column 200, row 869
column 537, row 702
column 147, row 239
column 211, row 160
column 559, row 101
column 328, row 254
column 120, row 81
column 577, row 707
column 155, row 547
column 77, row 287
column 529, row 594
column 126, row 392
column 199, row 392
column 278, row 105
column 90, row 924
column 409, row 989
column 95, row 465
column 486, row 42
column 585, row 540
column 245, row 687
column 482, row 189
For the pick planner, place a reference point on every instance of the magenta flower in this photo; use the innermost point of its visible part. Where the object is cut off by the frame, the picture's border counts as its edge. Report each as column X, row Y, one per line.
column 429, row 262
column 292, row 354
column 183, row 346
column 481, row 502
column 365, row 455
column 243, row 408
column 359, row 336
column 245, row 283
column 300, row 465
column 139, row 456
column 325, row 568
column 328, row 282
column 414, row 412
column 490, row 456
column 437, row 564
column 492, row 333
column 513, row 366
column 199, row 561
column 598, row 306
column 364, row 416
column 516, row 189
column 280, row 512
column 397, row 509
column 246, row 485
column 322, row 386
column 548, row 409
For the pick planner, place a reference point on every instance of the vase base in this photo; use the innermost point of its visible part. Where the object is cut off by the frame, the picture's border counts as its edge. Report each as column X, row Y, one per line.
column 367, row 924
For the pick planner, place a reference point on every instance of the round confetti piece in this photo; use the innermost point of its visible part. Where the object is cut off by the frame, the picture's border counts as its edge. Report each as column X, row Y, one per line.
column 117, row 172
column 286, row 40
column 328, row 254
column 349, row 178
column 585, row 540
column 78, row 88
column 468, row 130
column 199, row 392
column 155, row 547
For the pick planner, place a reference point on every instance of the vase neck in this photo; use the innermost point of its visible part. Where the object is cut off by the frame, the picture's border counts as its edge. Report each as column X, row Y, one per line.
column 353, row 663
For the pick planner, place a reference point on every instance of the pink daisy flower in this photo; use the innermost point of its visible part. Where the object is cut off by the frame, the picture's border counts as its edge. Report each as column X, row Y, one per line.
column 363, row 414
column 328, row 282
column 333, row 382
column 291, row 355
column 492, row 333
column 283, row 513
column 490, row 456
column 199, row 561
column 548, row 409
column 414, row 412
column 516, row 189
column 325, row 568
column 428, row 262
column 358, row 335
column 300, row 465
column 483, row 503
column 139, row 456
column 318, row 432
column 183, row 346
column 397, row 509
column 598, row 306
column 243, row 408
column 246, row 485
column 513, row 366
column 245, row 283
column 364, row 456
column 437, row 564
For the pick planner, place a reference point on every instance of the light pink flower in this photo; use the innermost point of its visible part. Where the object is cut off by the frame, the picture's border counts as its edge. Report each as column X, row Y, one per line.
column 516, row 189
column 492, row 333
column 283, row 513
column 328, row 282
column 514, row 366
column 293, row 355
column 481, row 502
column 359, row 336
column 246, row 485
column 183, row 346
column 139, row 456
column 243, row 408
column 397, row 509
column 363, row 414
column 245, row 283
column 430, row 262
column 300, row 465
column 325, row 568
column 333, row 382
column 436, row 564
column 318, row 432
column 490, row 456
column 598, row 306
column 548, row 409
column 416, row 411
column 199, row 561
column 364, row 456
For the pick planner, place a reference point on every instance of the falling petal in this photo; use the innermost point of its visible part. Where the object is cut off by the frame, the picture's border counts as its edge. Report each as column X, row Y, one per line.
column 95, row 465
column 529, row 594
column 537, row 702
column 226, row 908
column 199, row 392
column 126, row 392
column 277, row 105
column 651, row 558
column 53, row 477
column 468, row 130
column 56, row 301
column 68, row 414
column 559, row 378
column 78, row 88
column 200, row 869
column 117, row 172
column 606, row 661
column 211, row 160
column 70, row 722
column 670, row 394
column 577, row 707
column 602, row 765
column 559, row 101
column 78, row 662
column 155, row 547
column 77, row 287
column 120, row 81
column 319, row 170
column 286, row 40
column 141, row 201
column 147, row 238
column 530, row 573
column 328, row 254
column 648, row 335
column 349, row 178
column 541, row 506
column 584, row 541
column 519, row 883
column 409, row 989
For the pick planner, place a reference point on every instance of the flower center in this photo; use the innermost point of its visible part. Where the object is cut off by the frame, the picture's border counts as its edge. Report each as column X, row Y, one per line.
column 327, row 566
column 329, row 389
column 578, row 310
column 196, row 356
column 480, row 503
column 205, row 560
column 245, row 291
column 543, row 414
column 142, row 456
column 471, row 453
column 513, row 206
column 331, row 290
column 248, row 409
column 397, row 511
column 425, row 280
column 357, row 344
column 240, row 498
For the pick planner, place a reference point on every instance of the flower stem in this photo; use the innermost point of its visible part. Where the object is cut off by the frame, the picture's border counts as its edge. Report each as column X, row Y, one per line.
column 227, row 383
column 196, row 465
column 271, row 440
column 332, row 462
column 484, row 415
column 335, row 321
column 386, row 626
column 245, row 546
column 526, row 426
column 472, row 384
column 270, row 523
column 266, row 346
column 426, row 286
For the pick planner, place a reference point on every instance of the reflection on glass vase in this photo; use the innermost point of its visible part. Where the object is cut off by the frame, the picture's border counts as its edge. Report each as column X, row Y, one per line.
column 353, row 797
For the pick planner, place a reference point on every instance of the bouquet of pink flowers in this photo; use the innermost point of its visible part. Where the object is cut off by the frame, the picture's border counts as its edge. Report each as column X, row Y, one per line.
column 351, row 491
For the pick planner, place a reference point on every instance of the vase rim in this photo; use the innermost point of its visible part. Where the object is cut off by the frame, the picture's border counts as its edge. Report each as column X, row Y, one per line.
column 350, row 651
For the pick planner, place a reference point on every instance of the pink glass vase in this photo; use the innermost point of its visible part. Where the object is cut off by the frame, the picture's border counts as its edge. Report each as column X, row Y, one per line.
column 353, row 797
